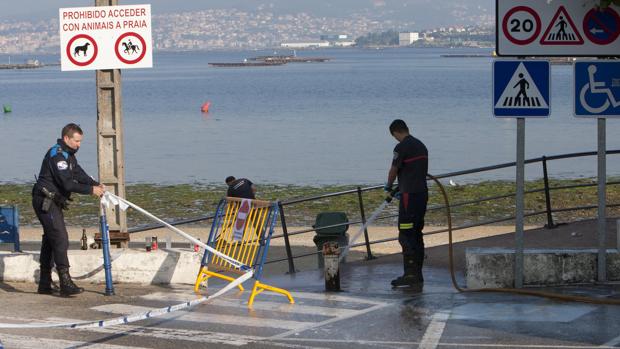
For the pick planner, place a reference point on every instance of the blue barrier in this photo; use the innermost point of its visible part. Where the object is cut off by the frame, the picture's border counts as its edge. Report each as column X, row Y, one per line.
column 9, row 226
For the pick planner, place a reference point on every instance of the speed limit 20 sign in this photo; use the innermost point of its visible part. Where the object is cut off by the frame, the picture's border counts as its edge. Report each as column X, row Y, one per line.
column 521, row 25
column 556, row 28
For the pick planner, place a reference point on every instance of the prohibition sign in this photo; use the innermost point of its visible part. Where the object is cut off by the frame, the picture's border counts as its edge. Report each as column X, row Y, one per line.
column 521, row 23
column 95, row 50
column 601, row 27
column 141, row 48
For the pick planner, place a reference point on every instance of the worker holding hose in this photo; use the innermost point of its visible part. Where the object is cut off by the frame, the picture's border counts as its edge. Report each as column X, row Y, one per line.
column 409, row 165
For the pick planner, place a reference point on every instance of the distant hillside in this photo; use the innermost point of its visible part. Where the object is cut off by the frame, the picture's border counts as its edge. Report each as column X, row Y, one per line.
column 425, row 13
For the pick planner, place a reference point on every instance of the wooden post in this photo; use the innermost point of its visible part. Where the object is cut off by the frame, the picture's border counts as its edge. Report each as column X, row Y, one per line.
column 110, row 149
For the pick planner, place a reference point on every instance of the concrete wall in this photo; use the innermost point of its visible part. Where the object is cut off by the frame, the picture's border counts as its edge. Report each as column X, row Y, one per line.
column 176, row 266
column 494, row 267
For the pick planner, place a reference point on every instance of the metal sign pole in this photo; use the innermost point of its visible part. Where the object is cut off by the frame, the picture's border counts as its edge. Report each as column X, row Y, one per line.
column 602, row 180
column 105, row 243
column 519, row 198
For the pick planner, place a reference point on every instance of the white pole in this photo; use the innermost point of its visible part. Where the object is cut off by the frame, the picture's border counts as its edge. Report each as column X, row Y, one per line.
column 519, row 201
column 602, row 219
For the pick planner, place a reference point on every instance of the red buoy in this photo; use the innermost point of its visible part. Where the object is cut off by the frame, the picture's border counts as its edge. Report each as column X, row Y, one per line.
column 205, row 107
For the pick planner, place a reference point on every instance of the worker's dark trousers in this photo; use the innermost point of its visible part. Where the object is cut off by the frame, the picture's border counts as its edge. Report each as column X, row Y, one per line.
column 410, row 224
column 55, row 238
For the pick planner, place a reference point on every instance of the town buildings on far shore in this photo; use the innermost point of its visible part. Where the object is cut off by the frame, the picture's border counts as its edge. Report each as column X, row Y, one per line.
column 327, row 40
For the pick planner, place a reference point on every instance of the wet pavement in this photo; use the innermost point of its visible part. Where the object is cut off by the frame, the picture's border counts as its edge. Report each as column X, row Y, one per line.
column 368, row 313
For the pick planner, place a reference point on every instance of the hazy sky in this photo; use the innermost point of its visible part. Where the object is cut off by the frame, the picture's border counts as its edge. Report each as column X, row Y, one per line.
column 45, row 9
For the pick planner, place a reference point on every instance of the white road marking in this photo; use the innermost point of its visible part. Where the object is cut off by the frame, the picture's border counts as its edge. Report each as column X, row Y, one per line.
column 433, row 332
column 612, row 343
column 334, row 297
column 326, row 322
column 10, row 341
column 304, row 295
column 235, row 320
column 172, row 334
column 259, row 305
column 441, row 344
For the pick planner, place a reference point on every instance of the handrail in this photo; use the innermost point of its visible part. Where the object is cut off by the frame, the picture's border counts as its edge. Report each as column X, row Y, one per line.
column 467, row 226
column 547, row 189
column 148, row 227
column 527, row 161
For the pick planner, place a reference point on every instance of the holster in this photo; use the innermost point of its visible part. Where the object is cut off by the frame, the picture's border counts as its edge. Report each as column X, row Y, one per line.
column 47, row 203
column 50, row 197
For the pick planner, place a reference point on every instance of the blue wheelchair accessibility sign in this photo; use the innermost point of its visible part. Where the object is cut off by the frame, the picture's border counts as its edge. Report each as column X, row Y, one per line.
column 597, row 89
column 521, row 88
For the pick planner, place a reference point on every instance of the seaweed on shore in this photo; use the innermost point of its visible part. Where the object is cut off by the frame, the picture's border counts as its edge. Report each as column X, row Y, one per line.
column 173, row 202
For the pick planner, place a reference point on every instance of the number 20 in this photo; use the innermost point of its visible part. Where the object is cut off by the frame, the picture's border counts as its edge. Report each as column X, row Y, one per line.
column 527, row 25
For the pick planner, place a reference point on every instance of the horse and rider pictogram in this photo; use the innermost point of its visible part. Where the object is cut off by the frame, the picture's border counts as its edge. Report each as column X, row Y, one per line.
column 130, row 48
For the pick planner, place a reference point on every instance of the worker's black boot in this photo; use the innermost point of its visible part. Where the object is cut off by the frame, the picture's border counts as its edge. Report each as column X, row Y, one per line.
column 413, row 273
column 67, row 287
column 46, row 286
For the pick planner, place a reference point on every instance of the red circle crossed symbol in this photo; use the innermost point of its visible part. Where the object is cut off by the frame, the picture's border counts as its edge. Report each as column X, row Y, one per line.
column 142, row 49
column 83, row 49
column 609, row 23
column 521, row 26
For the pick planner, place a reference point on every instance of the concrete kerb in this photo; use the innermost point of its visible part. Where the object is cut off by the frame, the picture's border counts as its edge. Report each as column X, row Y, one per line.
column 494, row 267
column 173, row 266
column 180, row 265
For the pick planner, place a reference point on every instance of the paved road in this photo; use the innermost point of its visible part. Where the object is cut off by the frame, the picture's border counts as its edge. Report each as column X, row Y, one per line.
column 368, row 314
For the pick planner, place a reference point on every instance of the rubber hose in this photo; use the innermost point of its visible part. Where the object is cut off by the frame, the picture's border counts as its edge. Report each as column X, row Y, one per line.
column 526, row 292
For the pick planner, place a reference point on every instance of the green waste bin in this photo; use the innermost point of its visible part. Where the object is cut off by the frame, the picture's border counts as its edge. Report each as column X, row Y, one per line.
column 337, row 234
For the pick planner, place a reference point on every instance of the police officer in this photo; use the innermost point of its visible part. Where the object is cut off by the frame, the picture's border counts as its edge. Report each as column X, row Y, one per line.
column 60, row 176
column 240, row 188
column 410, row 165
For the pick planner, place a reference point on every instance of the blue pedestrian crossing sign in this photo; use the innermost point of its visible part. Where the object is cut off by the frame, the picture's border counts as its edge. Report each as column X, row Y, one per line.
column 597, row 89
column 521, row 88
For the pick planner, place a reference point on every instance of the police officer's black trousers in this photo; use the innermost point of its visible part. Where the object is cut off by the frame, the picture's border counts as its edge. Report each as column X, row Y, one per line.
column 55, row 238
column 410, row 224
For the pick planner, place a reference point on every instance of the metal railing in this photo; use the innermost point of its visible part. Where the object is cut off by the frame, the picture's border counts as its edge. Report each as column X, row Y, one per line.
column 359, row 191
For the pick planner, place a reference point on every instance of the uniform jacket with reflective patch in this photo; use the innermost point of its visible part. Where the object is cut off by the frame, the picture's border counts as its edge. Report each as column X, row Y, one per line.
column 61, row 174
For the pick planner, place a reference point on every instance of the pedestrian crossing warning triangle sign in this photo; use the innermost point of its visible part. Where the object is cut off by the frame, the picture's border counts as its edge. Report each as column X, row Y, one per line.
column 521, row 92
column 561, row 30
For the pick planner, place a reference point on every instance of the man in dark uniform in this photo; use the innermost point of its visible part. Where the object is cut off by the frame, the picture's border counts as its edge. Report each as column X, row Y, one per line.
column 240, row 188
column 60, row 176
column 410, row 165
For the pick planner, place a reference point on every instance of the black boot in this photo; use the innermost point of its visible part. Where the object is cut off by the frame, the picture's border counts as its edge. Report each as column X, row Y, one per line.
column 46, row 286
column 413, row 273
column 67, row 287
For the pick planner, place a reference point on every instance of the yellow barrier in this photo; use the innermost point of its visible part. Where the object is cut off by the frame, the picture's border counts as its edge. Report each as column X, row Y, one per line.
column 244, row 234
